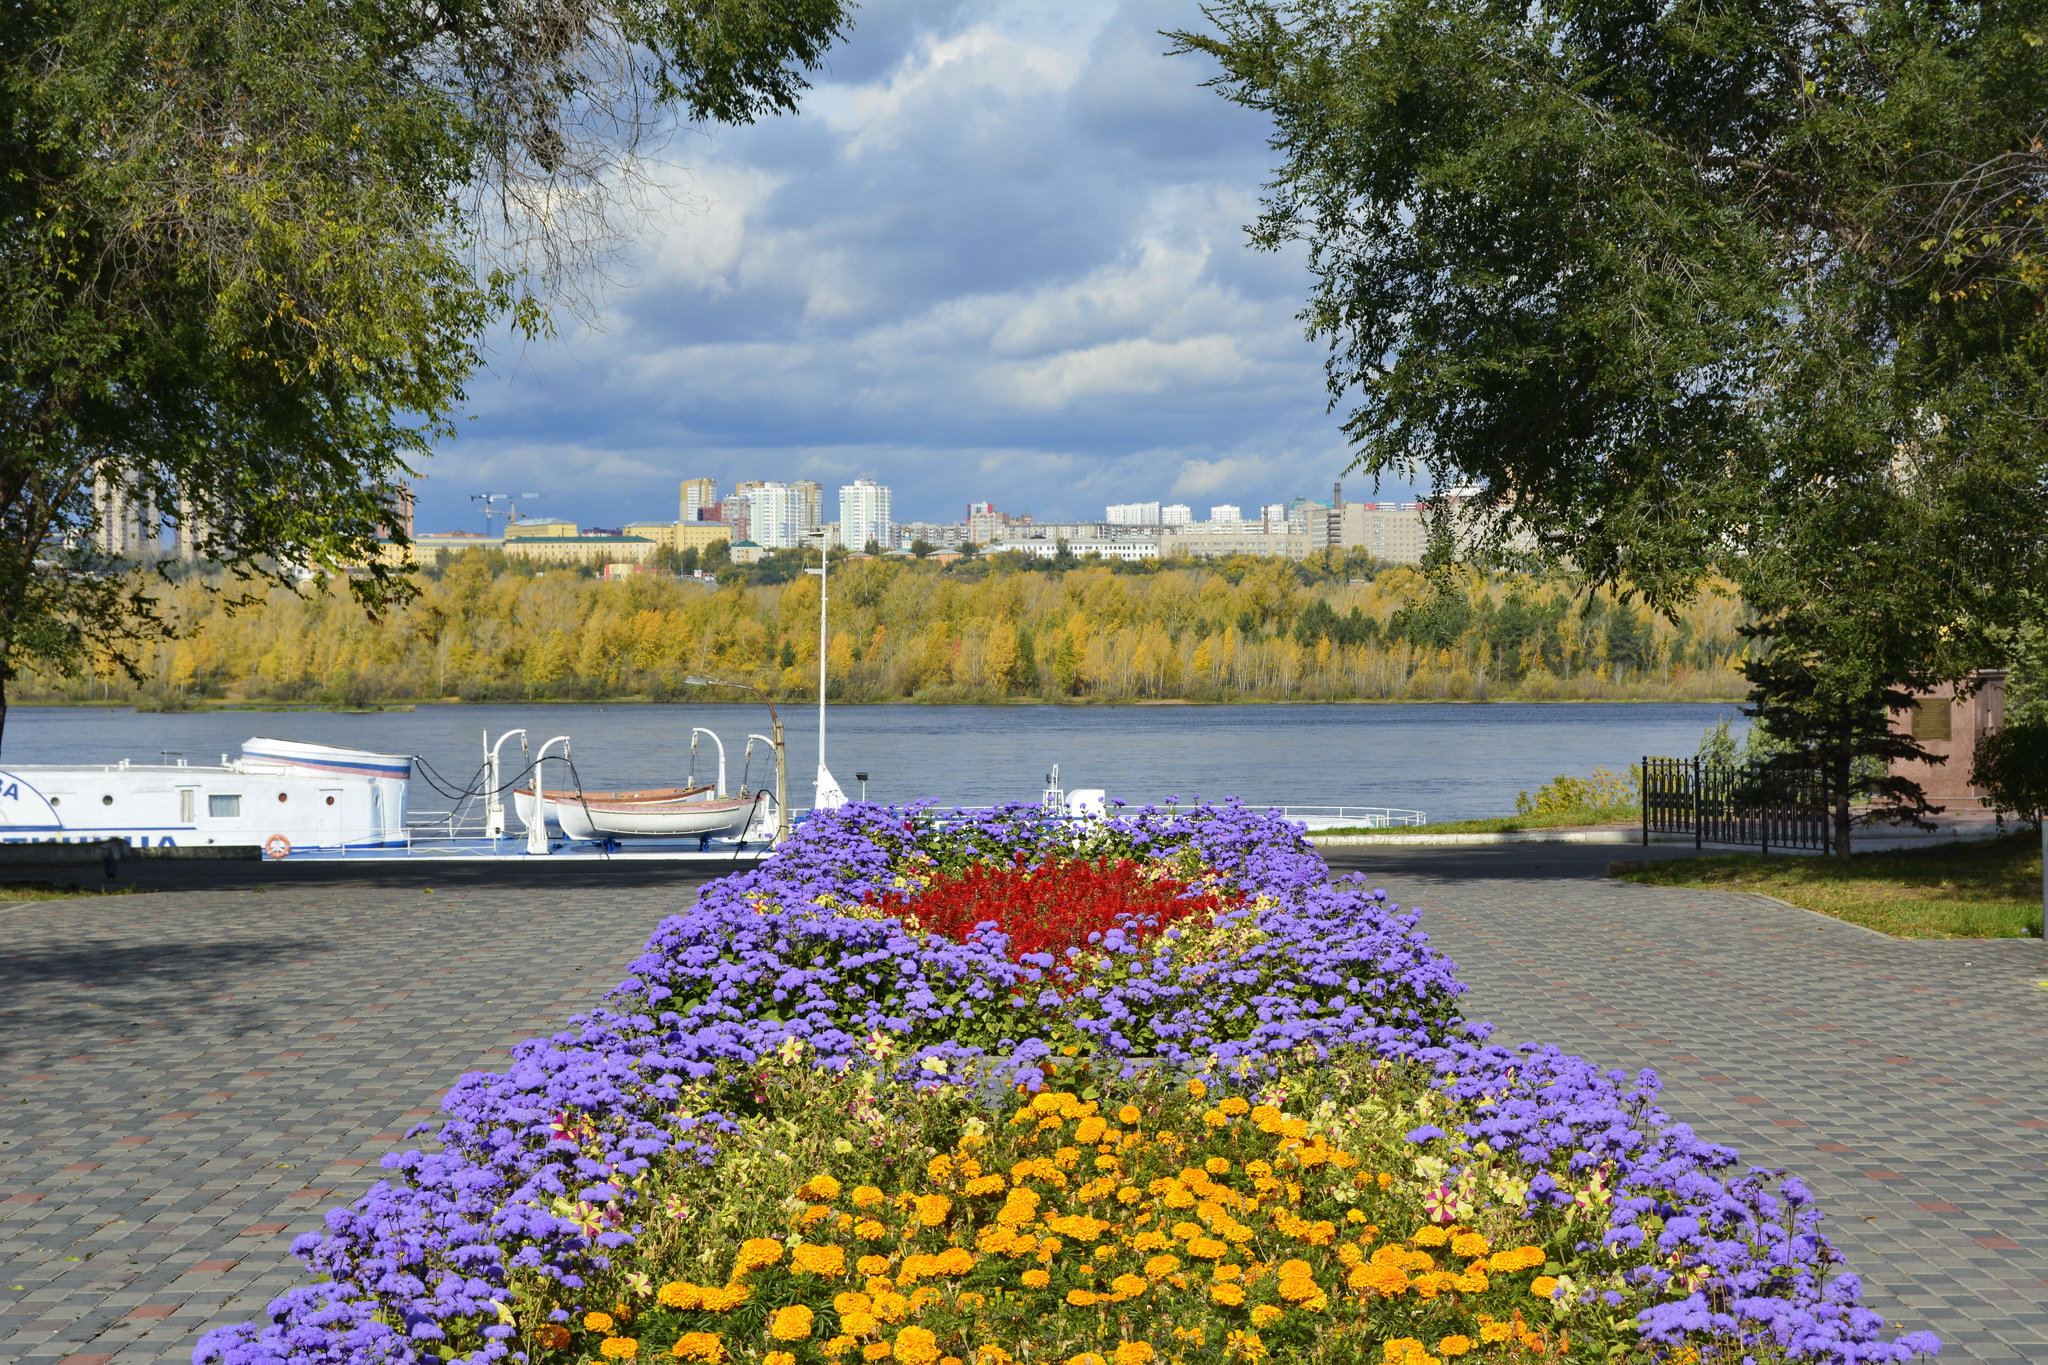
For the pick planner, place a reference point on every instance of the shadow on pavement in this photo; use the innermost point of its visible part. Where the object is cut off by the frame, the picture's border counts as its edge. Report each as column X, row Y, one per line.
column 64, row 1000
column 1493, row 862
column 538, row 874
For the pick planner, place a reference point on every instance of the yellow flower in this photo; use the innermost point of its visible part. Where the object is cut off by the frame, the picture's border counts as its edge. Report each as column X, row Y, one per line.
column 1215, row 1119
column 619, row 1348
column 872, row 1265
column 778, row 1358
column 1430, row 1237
column 1454, row 1345
column 826, row 1261
column 1128, row 1115
column 1230, row 1295
column 868, row 1230
column 553, row 1336
column 704, row 1346
column 1491, row 1331
column 917, row 1346
column 868, row 1197
column 1235, row 1106
column 991, row 1355
column 1217, row 1165
column 1265, row 1313
column 598, row 1322
column 723, row 1300
column 822, row 1189
column 1196, row 1088
column 1543, row 1286
column 1133, row 1353
column 1160, row 1266
column 858, row 1323
column 1081, row 1298
column 875, row 1350
column 1091, row 1130
column 791, row 1324
column 931, row 1211
column 678, row 1294
column 1468, row 1245
column 1130, row 1286
column 1246, row 1345
column 837, row 1347
column 1036, row 1279
column 756, row 1252
column 1086, row 1358
column 939, row 1167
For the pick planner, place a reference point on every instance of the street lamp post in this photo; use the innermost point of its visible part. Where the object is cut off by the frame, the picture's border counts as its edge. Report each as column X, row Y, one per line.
column 781, row 763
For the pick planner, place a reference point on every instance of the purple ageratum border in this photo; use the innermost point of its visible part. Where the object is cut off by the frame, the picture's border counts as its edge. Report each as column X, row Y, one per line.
column 433, row 1244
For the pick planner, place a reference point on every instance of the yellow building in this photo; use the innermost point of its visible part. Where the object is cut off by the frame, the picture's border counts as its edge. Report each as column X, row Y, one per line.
column 582, row 549
column 540, row 528
column 681, row 535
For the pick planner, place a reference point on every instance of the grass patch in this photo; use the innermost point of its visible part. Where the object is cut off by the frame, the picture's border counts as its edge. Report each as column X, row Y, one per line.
column 51, row 891
column 1510, row 824
column 1990, row 889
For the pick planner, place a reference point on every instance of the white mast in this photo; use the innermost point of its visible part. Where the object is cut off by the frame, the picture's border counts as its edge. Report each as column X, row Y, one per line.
column 826, row 792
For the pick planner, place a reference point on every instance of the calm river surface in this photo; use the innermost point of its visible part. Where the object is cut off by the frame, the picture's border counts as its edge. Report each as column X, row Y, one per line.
column 1453, row 762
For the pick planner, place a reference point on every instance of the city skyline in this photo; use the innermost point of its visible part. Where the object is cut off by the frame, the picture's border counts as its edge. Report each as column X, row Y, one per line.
column 998, row 254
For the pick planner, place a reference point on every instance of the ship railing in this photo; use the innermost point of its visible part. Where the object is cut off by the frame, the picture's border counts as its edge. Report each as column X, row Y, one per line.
column 1354, row 817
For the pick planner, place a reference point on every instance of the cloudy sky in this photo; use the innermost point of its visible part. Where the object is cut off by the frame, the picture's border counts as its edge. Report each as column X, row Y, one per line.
column 998, row 255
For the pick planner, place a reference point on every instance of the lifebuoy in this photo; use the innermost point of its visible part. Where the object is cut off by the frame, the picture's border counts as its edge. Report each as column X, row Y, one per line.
column 277, row 846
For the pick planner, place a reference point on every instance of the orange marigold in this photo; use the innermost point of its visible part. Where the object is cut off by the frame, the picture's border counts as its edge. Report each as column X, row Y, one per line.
column 814, row 1258
column 702, row 1346
column 791, row 1324
column 619, row 1348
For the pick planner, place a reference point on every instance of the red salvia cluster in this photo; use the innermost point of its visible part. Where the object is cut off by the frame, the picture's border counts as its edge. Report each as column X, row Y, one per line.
column 1054, row 906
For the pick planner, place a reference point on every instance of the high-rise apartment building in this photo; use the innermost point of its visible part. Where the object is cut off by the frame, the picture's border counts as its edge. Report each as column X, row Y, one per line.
column 1134, row 513
column 810, row 504
column 1176, row 514
column 985, row 525
column 699, row 497
column 128, row 523
column 1227, row 512
column 775, row 514
column 864, row 515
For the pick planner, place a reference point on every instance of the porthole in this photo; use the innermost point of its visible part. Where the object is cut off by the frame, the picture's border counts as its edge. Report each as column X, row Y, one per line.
column 106, row 800
column 56, row 800
column 330, row 800
column 280, row 796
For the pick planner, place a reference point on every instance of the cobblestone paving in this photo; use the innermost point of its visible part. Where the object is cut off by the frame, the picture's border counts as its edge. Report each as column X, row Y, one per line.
column 189, row 1079
column 1906, row 1081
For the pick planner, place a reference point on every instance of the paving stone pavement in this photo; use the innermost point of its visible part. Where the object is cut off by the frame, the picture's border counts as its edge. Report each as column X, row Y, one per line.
column 189, row 1079
column 1905, row 1081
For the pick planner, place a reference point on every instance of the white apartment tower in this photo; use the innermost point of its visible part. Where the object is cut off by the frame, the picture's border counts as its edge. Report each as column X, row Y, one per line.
column 1133, row 514
column 863, row 515
column 775, row 515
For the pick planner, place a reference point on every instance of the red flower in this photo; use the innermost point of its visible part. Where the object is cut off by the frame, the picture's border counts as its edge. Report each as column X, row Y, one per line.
column 1052, row 907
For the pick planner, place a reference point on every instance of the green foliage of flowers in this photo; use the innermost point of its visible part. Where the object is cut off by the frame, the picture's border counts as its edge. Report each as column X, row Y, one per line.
column 1126, row 1220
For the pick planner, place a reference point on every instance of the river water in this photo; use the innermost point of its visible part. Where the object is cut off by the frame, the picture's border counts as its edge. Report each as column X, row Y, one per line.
column 1454, row 762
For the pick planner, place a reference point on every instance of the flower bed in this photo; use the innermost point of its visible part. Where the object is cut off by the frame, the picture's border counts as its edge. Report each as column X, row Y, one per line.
column 1216, row 1107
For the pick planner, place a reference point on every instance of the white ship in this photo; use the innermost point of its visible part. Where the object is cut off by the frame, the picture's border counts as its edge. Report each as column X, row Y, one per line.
column 280, row 795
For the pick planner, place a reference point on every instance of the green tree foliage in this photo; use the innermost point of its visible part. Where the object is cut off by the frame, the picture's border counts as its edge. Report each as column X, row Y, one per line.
column 1704, row 288
column 247, row 250
column 488, row 628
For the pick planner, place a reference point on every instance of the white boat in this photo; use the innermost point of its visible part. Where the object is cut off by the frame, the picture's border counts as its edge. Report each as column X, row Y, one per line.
column 663, row 813
column 280, row 795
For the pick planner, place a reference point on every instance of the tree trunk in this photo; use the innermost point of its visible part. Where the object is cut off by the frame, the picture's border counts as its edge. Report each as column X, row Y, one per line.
column 1838, row 777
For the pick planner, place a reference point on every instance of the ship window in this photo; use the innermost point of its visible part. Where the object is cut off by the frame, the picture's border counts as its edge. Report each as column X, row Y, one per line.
column 106, row 800
column 188, row 802
column 223, row 807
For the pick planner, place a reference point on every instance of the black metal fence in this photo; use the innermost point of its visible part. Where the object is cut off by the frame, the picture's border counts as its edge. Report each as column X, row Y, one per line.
column 1731, row 803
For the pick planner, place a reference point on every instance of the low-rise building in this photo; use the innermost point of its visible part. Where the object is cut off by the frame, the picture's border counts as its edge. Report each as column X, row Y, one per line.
column 539, row 528
column 1215, row 540
column 747, row 552
column 680, row 535
column 1046, row 548
column 582, row 549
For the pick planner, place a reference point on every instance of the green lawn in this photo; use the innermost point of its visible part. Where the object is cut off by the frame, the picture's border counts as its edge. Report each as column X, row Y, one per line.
column 1977, row 890
column 1509, row 824
column 51, row 891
